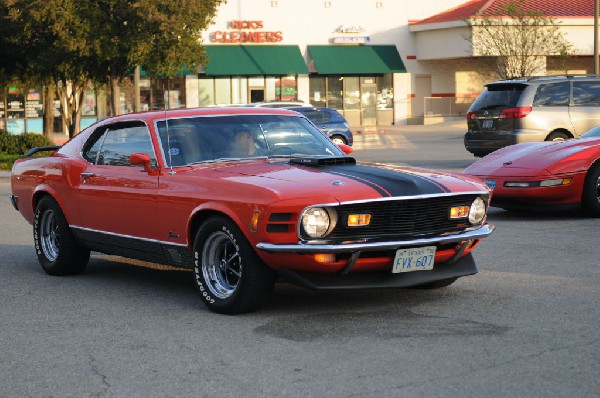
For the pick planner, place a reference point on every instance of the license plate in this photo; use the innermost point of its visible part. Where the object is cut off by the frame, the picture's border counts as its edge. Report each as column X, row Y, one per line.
column 414, row 259
column 490, row 183
column 487, row 124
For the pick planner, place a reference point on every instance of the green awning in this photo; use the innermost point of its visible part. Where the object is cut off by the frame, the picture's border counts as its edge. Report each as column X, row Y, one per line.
column 348, row 60
column 234, row 60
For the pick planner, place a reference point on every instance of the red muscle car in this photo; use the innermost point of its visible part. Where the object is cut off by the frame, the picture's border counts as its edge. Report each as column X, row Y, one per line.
column 246, row 197
column 554, row 175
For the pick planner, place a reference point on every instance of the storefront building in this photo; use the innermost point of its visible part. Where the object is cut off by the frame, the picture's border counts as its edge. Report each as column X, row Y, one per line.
column 377, row 62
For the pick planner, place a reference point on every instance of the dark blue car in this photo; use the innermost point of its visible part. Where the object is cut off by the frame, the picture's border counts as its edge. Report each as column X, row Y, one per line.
column 330, row 122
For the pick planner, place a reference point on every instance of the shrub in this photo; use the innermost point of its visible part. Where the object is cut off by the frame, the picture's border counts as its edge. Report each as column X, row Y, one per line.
column 6, row 161
column 19, row 144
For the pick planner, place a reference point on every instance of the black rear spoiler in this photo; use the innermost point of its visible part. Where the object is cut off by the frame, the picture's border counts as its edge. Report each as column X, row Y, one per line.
column 35, row 150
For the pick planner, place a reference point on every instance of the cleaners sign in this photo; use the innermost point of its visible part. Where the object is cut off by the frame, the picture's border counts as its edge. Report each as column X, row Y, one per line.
column 246, row 32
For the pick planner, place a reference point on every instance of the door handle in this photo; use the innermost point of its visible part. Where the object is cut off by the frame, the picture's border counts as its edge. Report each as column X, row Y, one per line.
column 86, row 175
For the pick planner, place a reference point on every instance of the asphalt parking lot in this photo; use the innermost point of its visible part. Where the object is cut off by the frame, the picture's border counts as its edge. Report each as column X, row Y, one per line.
column 526, row 325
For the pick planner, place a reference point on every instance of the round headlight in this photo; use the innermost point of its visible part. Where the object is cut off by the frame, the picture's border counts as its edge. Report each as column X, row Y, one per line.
column 477, row 212
column 317, row 222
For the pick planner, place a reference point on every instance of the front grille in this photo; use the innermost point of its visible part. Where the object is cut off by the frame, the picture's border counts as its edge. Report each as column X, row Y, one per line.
column 402, row 219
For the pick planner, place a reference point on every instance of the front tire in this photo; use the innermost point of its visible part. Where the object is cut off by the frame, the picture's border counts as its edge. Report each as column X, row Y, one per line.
column 591, row 192
column 231, row 277
column 57, row 250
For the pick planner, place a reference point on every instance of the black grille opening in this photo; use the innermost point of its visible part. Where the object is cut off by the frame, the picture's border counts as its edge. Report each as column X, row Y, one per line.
column 402, row 219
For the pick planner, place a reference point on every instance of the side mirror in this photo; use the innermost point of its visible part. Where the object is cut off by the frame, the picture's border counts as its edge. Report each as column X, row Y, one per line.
column 346, row 149
column 141, row 159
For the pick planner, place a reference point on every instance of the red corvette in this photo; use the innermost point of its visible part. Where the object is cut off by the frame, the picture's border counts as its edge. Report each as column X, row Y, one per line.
column 246, row 197
column 545, row 175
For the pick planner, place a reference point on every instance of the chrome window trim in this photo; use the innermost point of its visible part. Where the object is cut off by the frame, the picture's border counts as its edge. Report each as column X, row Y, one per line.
column 105, row 128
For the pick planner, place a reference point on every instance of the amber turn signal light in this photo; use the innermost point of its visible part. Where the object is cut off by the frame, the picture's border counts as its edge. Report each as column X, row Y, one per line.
column 359, row 220
column 459, row 212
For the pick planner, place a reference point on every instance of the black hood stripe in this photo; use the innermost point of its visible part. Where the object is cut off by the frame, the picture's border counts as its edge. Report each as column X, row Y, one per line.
column 388, row 182
column 379, row 189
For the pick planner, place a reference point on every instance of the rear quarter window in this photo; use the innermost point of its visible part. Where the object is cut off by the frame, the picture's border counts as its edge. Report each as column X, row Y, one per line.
column 586, row 93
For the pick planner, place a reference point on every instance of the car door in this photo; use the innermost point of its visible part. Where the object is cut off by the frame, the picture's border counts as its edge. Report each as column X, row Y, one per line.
column 115, row 197
column 585, row 110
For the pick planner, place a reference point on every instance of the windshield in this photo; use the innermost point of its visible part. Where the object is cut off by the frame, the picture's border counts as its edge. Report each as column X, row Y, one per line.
column 215, row 138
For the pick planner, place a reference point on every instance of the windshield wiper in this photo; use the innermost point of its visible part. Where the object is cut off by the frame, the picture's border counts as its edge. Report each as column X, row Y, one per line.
column 223, row 160
column 293, row 155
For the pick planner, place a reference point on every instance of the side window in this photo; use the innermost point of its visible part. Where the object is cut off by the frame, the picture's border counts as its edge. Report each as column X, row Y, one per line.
column 552, row 94
column 92, row 148
column 121, row 142
column 586, row 93
column 114, row 145
column 325, row 116
column 314, row 116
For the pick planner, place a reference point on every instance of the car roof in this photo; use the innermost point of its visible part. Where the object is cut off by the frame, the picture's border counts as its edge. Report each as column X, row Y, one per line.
column 531, row 79
column 189, row 112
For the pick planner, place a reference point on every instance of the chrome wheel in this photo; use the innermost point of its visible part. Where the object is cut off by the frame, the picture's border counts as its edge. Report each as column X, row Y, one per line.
column 221, row 264
column 338, row 140
column 49, row 235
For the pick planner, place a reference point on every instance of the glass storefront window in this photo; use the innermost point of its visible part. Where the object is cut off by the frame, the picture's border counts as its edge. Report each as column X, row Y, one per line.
column 286, row 89
column 145, row 94
column 351, row 93
column 89, row 102
column 318, row 91
column 335, row 92
column 271, row 88
column 385, row 92
column 206, row 91
column 15, row 110
column 33, row 103
column 16, row 103
column 239, row 90
column 222, row 91
column 171, row 93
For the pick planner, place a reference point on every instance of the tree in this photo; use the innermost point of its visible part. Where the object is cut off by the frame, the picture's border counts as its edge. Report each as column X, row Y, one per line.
column 517, row 40
column 163, row 36
column 71, row 43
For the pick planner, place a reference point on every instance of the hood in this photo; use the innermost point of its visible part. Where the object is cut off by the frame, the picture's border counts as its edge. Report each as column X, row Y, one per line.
column 527, row 159
column 341, row 182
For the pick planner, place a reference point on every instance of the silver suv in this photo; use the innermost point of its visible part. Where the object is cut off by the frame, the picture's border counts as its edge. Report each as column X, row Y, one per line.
column 545, row 108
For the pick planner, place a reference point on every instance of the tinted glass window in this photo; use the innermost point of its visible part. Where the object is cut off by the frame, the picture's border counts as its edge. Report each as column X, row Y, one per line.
column 335, row 116
column 119, row 143
column 93, row 148
column 498, row 96
column 552, row 94
column 586, row 93
column 209, row 139
column 314, row 116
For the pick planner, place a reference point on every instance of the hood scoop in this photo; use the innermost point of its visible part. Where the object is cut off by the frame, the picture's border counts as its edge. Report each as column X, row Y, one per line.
column 323, row 161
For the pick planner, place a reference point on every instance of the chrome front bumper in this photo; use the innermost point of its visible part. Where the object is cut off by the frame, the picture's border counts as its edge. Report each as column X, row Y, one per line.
column 305, row 248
